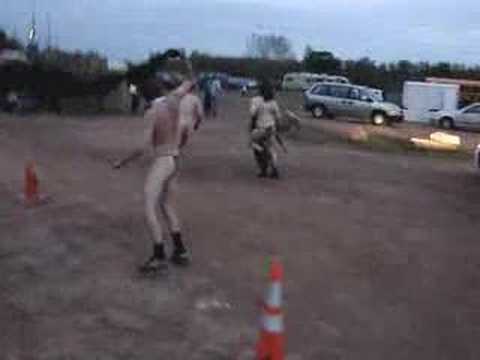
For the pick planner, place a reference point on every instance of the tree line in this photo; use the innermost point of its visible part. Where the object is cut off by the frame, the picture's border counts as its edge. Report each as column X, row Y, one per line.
column 54, row 74
column 365, row 71
column 272, row 56
column 62, row 73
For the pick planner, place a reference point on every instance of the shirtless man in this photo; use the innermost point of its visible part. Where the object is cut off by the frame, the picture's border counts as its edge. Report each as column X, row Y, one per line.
column 174, row 118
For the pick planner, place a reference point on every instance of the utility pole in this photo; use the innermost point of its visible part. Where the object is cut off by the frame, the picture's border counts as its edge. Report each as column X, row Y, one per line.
column 49, row 32
column 32, row 32
column 14, row 32
column 32, row 44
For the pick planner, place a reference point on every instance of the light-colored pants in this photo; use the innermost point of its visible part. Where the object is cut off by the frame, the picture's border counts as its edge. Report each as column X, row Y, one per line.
column 262, row 139
column 160, row 190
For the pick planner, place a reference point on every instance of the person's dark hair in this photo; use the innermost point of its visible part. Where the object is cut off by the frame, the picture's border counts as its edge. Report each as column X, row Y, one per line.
column 168, row 81
column 266, row 90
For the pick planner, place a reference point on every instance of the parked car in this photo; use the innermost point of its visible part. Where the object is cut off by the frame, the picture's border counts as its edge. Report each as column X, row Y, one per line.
column 476, row 158
column 299, row 81
column 466, row 118
column 334, row 79
column 13, row 102
column 353, row 101
column 238, row 83
column 303, row 81
column 30, row 103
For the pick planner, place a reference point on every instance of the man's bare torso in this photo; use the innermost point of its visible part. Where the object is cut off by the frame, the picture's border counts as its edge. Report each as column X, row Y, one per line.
column 174, row 118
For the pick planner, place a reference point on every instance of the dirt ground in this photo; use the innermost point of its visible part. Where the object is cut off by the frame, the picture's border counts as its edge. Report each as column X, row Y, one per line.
column 380, row 250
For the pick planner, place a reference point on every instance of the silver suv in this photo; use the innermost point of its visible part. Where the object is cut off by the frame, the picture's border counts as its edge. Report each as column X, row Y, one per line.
column 351, row 101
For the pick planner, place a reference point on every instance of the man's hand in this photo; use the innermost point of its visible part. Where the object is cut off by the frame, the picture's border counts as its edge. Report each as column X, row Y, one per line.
column 118, row 164
column 122, row 162
column 294, row 119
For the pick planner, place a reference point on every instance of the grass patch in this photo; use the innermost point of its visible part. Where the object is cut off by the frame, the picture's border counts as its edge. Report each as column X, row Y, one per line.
column 312, row 134
column 386, row 144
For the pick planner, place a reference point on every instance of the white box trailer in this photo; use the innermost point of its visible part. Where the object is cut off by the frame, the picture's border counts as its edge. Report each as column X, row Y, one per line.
column 420, row 99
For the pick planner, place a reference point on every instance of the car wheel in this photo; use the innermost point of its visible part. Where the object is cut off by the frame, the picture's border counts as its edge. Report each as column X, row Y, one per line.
column 318, row 111
column 446, row 123
column 379, row 119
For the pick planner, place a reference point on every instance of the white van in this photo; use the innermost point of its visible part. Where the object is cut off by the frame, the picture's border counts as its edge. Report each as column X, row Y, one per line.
column 304, row 81
column 299, row 81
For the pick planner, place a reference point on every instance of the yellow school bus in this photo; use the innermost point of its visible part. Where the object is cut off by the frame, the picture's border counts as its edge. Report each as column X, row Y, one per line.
column 469, row 89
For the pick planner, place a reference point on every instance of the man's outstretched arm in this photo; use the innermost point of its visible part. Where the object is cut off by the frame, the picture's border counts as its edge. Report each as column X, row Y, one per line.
column 149, row 140
column 133, row 156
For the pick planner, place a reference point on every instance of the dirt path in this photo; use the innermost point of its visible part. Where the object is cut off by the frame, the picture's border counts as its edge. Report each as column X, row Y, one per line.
column 380, row 250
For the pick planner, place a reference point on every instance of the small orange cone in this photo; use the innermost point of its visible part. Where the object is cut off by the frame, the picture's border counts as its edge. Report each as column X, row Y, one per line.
column 271, row 344
column 31, row 185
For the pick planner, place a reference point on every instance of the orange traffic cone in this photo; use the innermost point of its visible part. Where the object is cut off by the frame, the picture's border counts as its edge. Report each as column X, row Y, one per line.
column 31, row 185
column 271, row 344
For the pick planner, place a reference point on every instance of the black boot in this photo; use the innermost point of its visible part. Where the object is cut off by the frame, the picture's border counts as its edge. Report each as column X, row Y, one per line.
column 274, row 174
column 180, row 255
column 156, row 263
column 260, row 158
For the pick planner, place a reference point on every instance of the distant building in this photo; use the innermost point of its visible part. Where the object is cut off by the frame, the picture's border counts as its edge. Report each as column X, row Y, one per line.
column 119, row 66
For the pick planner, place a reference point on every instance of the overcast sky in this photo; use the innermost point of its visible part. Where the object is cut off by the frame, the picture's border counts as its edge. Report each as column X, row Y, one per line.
column 384, row 30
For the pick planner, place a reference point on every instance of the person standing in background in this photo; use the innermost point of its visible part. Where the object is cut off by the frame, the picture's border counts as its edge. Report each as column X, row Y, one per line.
column 244, row 91
column 12, row 102
column 215, row 92
column 134, row 98
column 206, row 89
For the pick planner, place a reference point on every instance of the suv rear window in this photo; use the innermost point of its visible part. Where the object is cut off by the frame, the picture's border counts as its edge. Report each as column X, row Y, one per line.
column 340, row 91
column 321, row 90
